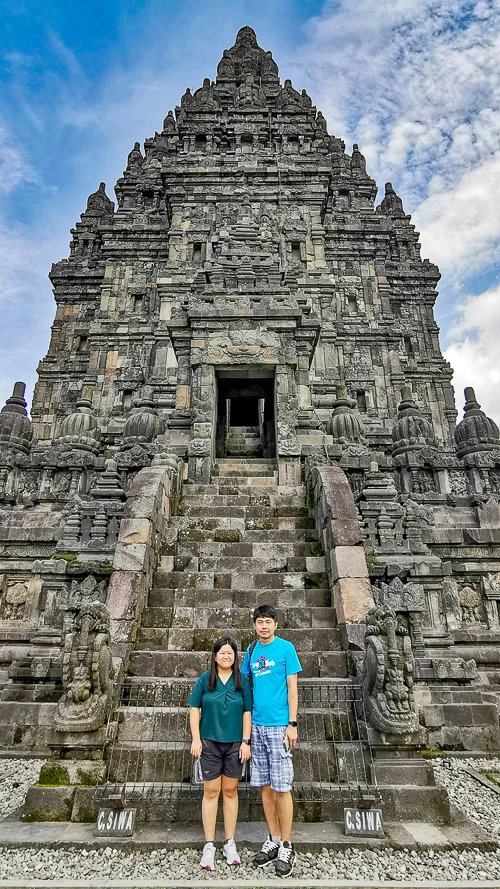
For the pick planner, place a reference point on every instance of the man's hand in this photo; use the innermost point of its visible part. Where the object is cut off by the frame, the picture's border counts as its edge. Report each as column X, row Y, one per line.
column 291, row 734
column 196, row 748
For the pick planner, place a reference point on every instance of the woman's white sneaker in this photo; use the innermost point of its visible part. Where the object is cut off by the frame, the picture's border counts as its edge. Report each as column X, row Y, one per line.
column 230, row 852
column 208, row 857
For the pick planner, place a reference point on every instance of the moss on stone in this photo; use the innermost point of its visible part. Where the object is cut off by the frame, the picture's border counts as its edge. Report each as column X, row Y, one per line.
column 68, row 557
column 224, row 535
column 53, row 774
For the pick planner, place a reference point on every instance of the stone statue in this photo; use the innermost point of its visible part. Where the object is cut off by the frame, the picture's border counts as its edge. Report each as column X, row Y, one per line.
column 387, row 674
column 82, row 593
column 87, row 672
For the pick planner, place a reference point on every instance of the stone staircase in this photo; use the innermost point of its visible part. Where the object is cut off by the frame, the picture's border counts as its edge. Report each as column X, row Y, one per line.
column 236, row 543
column 244, row 441
column 240, row 541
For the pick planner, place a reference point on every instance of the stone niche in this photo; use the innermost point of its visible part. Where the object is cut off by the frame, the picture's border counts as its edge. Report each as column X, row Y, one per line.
column 237, row 338
column 19, row 601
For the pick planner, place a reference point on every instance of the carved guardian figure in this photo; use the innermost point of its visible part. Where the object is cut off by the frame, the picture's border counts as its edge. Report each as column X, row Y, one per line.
column 87, row 672
column 387, row 674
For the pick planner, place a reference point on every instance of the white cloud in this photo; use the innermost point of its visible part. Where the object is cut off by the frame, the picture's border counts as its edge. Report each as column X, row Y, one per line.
column 417, row 85
column 461, row 226
column 473, row 350
column 14, row 168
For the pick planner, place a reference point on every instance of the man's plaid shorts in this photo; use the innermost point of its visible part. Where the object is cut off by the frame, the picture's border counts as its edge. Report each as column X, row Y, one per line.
column 270, row 762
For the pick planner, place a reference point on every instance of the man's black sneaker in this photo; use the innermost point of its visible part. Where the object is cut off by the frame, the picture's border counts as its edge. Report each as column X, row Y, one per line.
column 285, row 861
column 268, row 853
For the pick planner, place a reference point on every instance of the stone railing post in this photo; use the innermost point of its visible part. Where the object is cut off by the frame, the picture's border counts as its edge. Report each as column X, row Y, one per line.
column 153, row 496
column 334, row 510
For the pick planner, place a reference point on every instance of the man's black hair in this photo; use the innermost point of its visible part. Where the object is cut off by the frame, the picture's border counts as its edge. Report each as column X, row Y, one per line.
column 265, row 611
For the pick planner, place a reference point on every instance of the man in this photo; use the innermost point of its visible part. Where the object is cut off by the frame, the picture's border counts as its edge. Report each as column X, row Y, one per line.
column 272, row 665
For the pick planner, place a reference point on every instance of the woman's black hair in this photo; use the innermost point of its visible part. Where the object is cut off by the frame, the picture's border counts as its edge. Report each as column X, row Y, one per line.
column 214, row 675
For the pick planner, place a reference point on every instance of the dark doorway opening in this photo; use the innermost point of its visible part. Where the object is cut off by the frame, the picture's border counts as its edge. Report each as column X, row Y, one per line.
column 245, row 413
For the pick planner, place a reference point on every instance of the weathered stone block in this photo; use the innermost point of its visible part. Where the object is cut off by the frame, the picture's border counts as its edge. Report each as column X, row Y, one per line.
column 352, row 598
column 348, row 561
column 130, row 557
column 48, row 804
column 136, row 531
column 84, row 808
column 126, row 595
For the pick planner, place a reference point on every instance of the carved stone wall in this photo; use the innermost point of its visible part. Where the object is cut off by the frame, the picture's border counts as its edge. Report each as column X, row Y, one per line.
column 245, row 237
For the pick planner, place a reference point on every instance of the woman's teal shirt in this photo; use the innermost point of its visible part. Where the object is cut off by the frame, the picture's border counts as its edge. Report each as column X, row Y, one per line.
column 221, row 710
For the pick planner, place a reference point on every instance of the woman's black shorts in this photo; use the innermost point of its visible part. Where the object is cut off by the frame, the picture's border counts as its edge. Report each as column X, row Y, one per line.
column 219, row 758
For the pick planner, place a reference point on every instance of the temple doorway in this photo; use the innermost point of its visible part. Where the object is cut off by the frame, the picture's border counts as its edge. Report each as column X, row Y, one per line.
column 246, row 413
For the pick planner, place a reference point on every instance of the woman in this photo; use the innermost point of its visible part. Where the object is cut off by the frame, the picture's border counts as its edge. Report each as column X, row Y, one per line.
column 221, row 738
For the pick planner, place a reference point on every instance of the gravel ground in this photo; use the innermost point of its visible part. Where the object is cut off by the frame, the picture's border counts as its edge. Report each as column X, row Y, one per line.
column 480, row 804
column 16, row 775
column 389, row 864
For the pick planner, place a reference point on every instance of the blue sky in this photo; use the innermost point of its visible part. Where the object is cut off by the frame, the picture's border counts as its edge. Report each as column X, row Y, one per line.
column 415, row 82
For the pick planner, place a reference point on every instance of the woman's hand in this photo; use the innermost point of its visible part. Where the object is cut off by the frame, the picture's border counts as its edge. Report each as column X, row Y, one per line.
column 245, row 752
column 196, row 748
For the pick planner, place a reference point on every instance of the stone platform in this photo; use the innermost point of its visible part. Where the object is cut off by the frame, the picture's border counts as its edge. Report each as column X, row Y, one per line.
column 306, row 837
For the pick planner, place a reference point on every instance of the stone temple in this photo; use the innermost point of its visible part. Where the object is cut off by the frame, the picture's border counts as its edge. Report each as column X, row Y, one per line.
column 244, row 401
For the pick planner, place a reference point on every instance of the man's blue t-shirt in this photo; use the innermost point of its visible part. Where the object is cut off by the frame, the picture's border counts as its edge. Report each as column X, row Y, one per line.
column 270, row 666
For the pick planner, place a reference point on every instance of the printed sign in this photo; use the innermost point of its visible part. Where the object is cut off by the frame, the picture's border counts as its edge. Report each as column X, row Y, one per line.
column 363, row 823
column 115, row 823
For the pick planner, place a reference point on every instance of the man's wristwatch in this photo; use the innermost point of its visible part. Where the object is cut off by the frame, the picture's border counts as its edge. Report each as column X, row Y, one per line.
column 293, row 723
column 246, row 741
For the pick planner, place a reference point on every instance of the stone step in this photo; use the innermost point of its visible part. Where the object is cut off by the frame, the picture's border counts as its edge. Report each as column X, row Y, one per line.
column 242, row 430
column 264, row 480
column 164, row 724
column 201, row 509
column 224, row 461
column 220, row 597
column 247, row 578
column 250, row 498
column 257, row 549
column 228, row 616
column 216, row 499
column 189, row 664
column 274, row 493
column 203, row 638
column 231, row 522
column 171, row 760
column 223, row 530
column 320, row 801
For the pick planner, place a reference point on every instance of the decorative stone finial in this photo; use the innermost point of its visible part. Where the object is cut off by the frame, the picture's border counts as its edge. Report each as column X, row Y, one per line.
column 411, row 431
column 358, row 161
column 135, row 158
column 98, row 203
column 142, row 424
column 108, row 486
column 321, row 122
column 16, row 430
column 391, row 204
column 246, row 35
column 476, row 432
column 346, row 424
column 80, row 429
column 169, row 125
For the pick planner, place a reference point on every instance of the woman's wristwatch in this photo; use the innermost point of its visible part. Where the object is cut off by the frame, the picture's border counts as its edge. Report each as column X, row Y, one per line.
column 293, row 723
column 246, row 741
